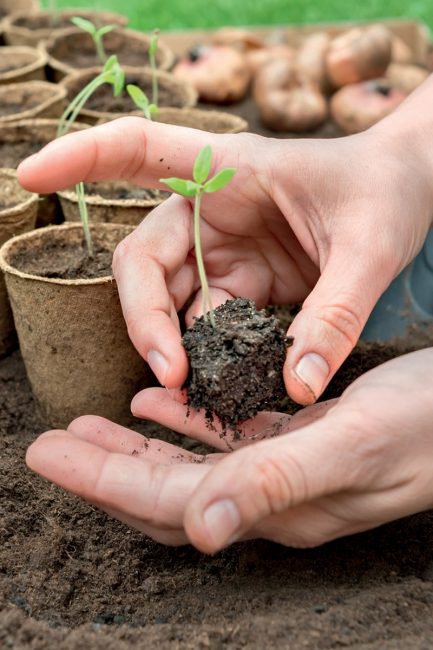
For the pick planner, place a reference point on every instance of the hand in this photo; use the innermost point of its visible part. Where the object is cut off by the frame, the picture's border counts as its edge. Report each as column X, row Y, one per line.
column 329, row 222
column 337, row 468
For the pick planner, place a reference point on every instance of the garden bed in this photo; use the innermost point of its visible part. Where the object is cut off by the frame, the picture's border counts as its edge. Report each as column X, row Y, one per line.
column 71, row 577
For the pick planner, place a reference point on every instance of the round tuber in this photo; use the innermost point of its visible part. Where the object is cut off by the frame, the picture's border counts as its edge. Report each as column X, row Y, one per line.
column 406, row 77
column 356, row 107
column 310, row 59
column 287, row 102
column 219, row 74
column 358, row 54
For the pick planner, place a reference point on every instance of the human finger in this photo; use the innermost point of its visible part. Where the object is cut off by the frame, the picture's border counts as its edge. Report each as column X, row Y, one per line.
column 155, row 493
column 130, row 148
column 117, row 439
column 146, row 265
column 254, row 483
column 158, row 405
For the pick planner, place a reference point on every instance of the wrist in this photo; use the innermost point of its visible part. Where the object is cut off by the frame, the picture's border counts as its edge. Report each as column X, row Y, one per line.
column 408, row 134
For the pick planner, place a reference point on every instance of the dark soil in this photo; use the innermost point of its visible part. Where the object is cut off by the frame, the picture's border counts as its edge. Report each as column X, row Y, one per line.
column 19, row 107
column 235, row 367
column 37, row 21
column 73, row 578
column 114, row 192
column 12, row 153
column 64, row 261
column 104, row 101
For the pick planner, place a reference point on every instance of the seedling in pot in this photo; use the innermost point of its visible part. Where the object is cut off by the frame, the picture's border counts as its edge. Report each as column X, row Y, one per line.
column 96, row 34
column 111, row 74
column 141, row 100
column 201, row 184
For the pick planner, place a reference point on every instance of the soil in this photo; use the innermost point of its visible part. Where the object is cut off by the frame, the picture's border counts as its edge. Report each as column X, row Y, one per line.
column 83, row 56
column 116, row 192
column 19, row 107
column 73, row 578
column 12, row 153
column 235, row 366
column 65, row 261
column 35, row 22
column 104, row 101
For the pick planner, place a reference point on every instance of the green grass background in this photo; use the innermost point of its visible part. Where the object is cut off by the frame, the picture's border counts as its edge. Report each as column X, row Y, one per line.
column 186, row 14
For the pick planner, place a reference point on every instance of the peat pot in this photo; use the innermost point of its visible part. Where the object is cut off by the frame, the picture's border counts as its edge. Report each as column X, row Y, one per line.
column 112, row 202
column 30, row 99
column 74, row 49
column 24, row 28
column 72, row 334
column 103, row 106
column 19, row 64
column 18, row 210
column 21, row 139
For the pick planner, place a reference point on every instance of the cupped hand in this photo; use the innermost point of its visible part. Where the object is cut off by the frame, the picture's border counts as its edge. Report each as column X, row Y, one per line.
column 329, row 223
column 335, row 468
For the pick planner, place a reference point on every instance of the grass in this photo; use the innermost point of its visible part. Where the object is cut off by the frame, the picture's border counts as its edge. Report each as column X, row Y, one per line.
column 172, row 14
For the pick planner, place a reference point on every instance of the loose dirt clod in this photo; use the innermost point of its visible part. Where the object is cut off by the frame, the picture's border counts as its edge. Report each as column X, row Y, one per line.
column 236, row 366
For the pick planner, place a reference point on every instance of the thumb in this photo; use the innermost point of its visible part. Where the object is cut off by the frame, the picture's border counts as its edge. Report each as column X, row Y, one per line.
column 330, row 322
column 265, row 479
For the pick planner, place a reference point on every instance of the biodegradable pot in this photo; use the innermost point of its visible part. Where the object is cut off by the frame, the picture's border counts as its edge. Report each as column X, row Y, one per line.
column 20, row 28
column 74, row 50
column 24, row 138
column 21, row 63
column 103, row 207
column 103, row 106
column 30, row 99
column 194, row 118
column 72, row 334
column 10, row 6
column 18, row 210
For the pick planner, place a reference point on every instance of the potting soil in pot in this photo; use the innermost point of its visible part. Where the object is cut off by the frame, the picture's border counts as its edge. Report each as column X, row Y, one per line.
column 103, row 99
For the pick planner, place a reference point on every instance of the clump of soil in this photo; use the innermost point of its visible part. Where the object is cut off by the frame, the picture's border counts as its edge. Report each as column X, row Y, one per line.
column 236, row 366
column 67, row 261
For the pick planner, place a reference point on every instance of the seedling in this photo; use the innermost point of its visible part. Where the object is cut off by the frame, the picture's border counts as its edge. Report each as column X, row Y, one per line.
column 141, row 100
column 95, row 33
column 111, row 74
column 201, row 184
column 153, row 48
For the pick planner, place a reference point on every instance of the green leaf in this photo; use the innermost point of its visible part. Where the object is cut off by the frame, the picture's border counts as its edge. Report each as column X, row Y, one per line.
column 106, row 30
column 202, row 165
column 220, row 180
column 138, row 97
column 154, row 43
column 84, row 24
column 111, row 63
column 180, row 186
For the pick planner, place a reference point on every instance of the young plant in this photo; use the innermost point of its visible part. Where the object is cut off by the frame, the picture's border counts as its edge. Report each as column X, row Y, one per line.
column 111, row 74
column 141, row 101
column 95, row 33
column 201, row 184
column 54, row 13
column 153, row 48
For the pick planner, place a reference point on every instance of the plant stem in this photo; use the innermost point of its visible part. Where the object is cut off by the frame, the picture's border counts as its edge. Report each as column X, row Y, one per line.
column 72, row 111
column 100, row 50
column 207, row 302
column 84, row 216
column 154, row 79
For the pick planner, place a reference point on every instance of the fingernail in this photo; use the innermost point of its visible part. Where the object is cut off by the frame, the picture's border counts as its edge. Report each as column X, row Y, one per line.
column 313, row 371
column 222, row 521
column 158, row 364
